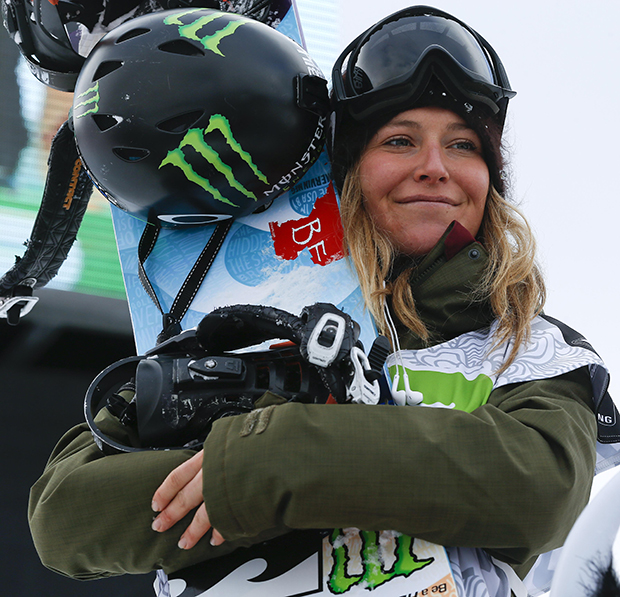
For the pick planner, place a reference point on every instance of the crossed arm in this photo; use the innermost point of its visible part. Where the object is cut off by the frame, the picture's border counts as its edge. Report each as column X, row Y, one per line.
column 177, row 496
column 510, row 477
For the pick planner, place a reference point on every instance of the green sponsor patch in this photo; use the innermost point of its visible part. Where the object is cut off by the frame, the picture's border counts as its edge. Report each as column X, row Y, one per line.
column 453, row 390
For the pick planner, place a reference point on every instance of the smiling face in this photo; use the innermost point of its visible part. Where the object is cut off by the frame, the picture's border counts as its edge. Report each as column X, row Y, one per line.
column 420, row 172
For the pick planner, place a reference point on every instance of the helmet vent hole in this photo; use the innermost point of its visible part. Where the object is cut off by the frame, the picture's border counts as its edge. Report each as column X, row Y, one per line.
column 131, row 154
column 180, row 123
column 106, row 121
column 131, row 34
column 181, row 46
column 105, row 68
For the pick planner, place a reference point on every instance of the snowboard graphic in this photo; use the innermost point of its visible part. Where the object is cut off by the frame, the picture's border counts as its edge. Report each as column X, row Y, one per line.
column 288, row 256
column 346, row 562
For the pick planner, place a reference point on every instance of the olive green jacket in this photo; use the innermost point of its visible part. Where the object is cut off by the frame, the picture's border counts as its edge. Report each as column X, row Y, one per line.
column 510, row 477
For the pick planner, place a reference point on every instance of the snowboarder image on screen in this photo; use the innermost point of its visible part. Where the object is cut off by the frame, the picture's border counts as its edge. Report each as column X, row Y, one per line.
column 480, row 453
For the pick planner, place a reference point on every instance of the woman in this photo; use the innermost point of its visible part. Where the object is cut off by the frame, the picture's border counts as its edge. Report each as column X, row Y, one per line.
column 497, row 472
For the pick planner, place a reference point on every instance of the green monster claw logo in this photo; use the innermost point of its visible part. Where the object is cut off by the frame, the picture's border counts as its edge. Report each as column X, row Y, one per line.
column 195, row 138
column 93, row 100
column 190, row 30
column 374, row 573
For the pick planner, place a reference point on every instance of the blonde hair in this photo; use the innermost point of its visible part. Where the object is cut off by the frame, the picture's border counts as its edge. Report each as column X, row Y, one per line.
column 512, row 283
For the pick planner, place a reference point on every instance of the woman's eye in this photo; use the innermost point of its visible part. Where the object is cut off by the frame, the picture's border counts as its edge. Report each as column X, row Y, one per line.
column 464, row 145
column 398, row 142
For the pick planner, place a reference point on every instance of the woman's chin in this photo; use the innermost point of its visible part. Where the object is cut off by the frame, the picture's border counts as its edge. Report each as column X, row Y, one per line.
column 421, row 242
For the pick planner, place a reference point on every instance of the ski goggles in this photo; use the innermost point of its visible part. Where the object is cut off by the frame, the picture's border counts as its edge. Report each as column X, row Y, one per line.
column 390, row 64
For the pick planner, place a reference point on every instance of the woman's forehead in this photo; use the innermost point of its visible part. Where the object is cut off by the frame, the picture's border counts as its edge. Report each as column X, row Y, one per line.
column 421, row 117
column 427, row 119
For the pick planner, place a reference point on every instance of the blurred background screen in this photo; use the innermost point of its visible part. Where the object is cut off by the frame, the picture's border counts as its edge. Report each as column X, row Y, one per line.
column 30, row 115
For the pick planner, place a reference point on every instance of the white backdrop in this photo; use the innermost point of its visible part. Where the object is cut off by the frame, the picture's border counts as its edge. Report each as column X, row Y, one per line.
column 563, row 134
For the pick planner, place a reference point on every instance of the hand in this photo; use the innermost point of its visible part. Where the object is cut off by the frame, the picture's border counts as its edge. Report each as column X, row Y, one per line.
column 180, row 493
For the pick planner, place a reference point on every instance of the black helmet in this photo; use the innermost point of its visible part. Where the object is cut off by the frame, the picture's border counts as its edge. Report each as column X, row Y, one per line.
column 55, row 36
column 187, row 115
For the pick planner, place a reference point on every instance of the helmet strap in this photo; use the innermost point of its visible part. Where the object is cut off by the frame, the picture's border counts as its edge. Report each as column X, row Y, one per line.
column 171, row 320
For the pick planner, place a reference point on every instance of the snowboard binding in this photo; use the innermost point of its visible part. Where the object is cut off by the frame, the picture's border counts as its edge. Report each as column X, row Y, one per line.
column 181, row 387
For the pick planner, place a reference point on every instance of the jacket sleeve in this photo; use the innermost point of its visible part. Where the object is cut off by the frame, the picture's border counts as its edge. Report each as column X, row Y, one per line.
column 90, row 514
column 510, row 477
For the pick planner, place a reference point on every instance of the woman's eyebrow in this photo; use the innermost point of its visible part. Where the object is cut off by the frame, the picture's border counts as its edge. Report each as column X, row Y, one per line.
column 404, row 122
column 459, row 126
column 454, row 126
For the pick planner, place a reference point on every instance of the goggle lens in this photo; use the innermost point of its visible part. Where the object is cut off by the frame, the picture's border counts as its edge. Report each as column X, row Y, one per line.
column 394, row 51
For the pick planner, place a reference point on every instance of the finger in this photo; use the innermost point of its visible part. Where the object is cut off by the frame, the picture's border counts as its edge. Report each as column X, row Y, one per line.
column 175, row 481
column 196, row 530
column 188, row 498
column 216, row 538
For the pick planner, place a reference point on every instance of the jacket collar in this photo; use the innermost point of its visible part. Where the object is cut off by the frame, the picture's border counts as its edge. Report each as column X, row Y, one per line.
column 444, row 288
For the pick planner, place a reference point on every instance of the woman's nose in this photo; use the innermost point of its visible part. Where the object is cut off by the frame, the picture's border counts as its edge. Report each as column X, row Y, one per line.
column 431, row 166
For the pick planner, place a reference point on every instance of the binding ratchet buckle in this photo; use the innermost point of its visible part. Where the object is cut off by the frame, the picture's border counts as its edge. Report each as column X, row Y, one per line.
column 326, row 339
column 12, row 308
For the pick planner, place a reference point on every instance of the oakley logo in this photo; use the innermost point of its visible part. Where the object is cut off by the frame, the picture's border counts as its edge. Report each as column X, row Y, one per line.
column 373, row 572
column 191, row 30
column 195, row 139
column 90, row 105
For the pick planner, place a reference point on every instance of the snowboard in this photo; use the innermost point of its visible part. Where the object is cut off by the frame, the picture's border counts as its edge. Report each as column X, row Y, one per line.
column 289, row 256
